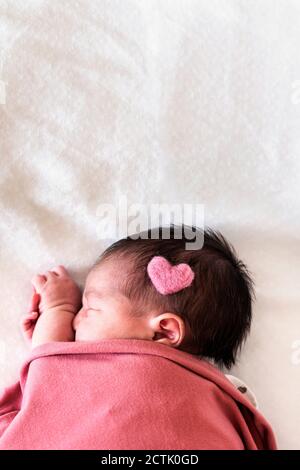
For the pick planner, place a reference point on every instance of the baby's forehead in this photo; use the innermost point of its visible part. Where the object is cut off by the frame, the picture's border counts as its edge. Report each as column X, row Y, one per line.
column 105, row 277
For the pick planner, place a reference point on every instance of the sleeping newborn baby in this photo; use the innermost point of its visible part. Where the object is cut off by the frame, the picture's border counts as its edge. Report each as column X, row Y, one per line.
column 126, row 296
column 131, row 363
column 107, row 312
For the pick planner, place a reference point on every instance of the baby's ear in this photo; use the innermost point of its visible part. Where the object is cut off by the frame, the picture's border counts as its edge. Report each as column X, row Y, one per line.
column 169, row 329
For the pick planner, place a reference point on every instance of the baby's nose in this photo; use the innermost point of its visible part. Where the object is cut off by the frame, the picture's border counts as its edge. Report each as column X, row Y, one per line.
column 82, row 312
column 77, row 318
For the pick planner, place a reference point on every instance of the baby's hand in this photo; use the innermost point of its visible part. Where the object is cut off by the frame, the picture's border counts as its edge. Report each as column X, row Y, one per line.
column 29, row 320
column 52, row 315
column 58, row 291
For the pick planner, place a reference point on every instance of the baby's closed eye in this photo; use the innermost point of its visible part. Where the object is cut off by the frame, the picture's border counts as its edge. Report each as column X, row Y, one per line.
column 89, row 305
column 93, row 309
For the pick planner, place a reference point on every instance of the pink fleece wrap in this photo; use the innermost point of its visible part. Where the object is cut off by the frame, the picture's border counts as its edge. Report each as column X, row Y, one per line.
column 126, row 394
column 169, row 279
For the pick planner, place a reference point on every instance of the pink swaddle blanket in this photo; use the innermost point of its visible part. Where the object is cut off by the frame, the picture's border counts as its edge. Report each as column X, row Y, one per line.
column 126, row 394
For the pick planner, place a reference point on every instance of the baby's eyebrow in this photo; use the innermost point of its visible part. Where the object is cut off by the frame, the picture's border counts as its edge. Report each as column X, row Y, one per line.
column 98, row 294
column 93, row 292
column 111, row 292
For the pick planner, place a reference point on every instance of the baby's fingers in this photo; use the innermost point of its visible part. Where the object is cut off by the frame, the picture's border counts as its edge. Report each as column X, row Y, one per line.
column 60, row 270
column 28, row 319
column 38, row 282
column 34, row 302
column 28, row 323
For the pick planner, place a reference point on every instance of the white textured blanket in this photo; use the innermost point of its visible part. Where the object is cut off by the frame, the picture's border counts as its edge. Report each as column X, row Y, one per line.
column 189, row 101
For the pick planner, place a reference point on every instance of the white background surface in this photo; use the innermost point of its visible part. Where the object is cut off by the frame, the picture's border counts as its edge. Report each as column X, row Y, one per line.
column 163, row 101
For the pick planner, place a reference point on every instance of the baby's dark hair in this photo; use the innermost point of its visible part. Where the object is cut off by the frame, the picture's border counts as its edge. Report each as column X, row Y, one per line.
column 217, row 305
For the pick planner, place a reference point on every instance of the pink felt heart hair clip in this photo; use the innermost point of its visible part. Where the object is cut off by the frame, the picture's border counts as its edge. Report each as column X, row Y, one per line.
column 168, row 279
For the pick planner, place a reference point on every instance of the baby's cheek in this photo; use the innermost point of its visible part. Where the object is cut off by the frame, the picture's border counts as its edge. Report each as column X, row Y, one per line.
column 97, row 323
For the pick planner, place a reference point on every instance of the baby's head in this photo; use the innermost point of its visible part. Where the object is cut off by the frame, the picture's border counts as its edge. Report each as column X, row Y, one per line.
column 211, row 317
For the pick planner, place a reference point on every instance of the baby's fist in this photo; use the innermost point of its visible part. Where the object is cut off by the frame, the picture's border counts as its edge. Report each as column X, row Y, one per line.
column 58, row 291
